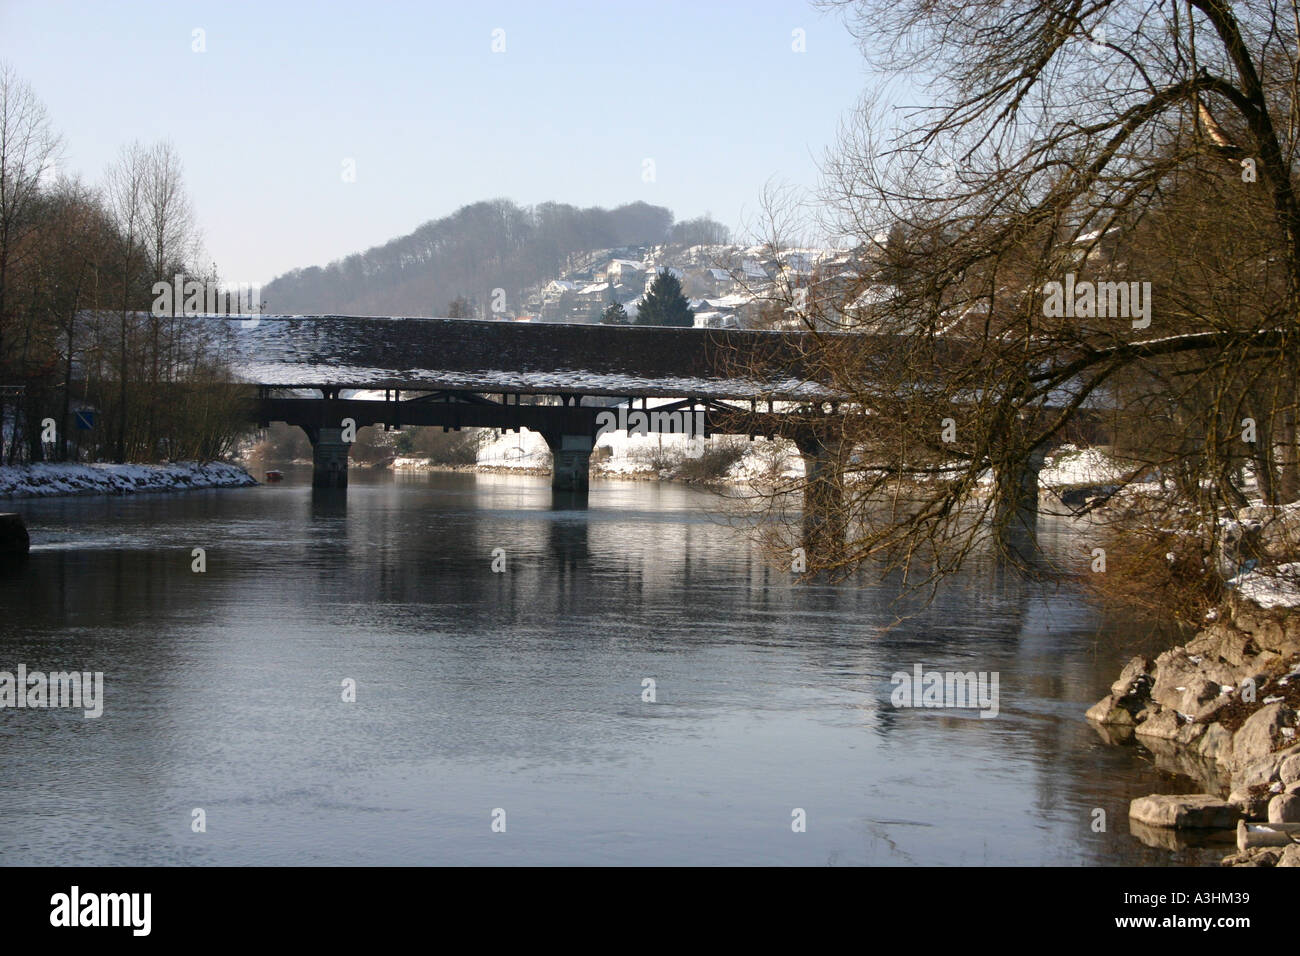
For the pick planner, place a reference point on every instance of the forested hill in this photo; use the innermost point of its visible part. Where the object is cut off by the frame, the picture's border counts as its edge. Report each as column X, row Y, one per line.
column 479, row 248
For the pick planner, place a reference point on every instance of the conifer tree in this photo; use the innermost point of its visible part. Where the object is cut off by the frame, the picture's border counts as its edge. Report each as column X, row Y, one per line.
column 664, row 304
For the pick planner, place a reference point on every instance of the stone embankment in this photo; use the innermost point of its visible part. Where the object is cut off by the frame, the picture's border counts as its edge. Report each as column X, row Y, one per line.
column 1221, row 709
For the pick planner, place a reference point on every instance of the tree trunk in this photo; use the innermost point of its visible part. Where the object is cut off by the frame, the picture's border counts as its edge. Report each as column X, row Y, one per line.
column 120, row 453
column 1263, row 455
column 1288, row 484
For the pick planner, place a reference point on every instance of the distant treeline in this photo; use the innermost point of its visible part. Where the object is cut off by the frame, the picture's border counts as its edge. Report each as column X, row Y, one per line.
column 479, row 248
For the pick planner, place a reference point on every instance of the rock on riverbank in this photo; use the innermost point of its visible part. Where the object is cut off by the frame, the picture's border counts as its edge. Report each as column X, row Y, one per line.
column 1223, row 709
column 45, row 480
column 14, row 540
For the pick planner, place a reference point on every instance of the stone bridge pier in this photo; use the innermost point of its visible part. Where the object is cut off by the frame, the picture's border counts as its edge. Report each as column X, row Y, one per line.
column 1015, row 509
column 825, row 522
column 329, row 456
column 570, row 460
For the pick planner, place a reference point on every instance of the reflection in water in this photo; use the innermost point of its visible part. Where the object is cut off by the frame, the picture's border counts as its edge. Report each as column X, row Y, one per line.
column 329, row 503
column 521, row 689
column 567, row 542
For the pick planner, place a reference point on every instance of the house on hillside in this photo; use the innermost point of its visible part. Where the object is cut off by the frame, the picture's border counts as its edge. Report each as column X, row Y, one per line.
column 558, row 287
column 590, row 302
column 752, row 271
column 556, row 299
column 626, row 272
column 709, row 282
column 798, row 264
column 735, row 310
column 1098, row 245
column 716, row 320
column 868, row 303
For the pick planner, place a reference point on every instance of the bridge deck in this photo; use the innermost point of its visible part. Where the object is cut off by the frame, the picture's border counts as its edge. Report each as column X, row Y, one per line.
column 517, row 357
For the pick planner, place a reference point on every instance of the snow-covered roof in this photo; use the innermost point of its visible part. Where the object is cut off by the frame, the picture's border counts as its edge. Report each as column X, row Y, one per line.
column 428, row 354
column 873, row 295
column 799, row 262
column 1096, row 234
column 733, row 301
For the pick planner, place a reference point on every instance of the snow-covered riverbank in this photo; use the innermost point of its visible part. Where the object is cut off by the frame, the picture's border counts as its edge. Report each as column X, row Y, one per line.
column 48, row 480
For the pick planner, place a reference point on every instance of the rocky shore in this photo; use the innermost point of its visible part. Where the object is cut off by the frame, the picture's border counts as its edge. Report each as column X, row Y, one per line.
column 1221, row 709
column 47, row 480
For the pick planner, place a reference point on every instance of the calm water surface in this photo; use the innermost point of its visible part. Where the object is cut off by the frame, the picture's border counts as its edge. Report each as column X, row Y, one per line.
column 522, row 691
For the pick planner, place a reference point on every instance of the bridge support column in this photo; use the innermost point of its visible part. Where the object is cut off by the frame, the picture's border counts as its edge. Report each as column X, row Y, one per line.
column 1015, row 512
column 570, row 461
column 824, row 520
column 329, row 454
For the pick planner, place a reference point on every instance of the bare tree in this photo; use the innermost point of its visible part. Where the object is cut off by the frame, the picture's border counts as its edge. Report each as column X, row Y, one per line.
column 80, row 233
column 168, row 218
column 28, row 149
column 126, row 189
column 1070, row 148
column 168, row 235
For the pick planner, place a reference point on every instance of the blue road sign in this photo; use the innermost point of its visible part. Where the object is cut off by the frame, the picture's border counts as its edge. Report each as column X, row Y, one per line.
column 85, row 421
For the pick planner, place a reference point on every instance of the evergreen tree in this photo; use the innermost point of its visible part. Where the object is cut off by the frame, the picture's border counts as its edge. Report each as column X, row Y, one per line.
column 664, row 304
column 615, row 315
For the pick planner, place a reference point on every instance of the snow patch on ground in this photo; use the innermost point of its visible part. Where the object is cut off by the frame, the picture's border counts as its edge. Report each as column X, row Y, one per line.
column 1071, row 466
column 622, row 455
column 766, row 461
column 401, row 463
column 523, row 450
column 48, row 480
column 1270, row 587
column 625, row 467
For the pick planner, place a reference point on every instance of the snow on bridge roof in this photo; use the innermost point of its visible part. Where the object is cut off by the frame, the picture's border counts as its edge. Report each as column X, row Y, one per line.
column 489, row 356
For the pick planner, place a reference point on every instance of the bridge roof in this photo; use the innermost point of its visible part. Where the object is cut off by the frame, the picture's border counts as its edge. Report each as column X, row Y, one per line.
column 522, row 357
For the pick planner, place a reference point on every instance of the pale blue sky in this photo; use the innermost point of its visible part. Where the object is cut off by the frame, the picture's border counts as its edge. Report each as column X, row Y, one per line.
column 711, row 90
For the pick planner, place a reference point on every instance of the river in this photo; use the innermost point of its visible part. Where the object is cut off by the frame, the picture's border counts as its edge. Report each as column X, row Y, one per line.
column 521, row 691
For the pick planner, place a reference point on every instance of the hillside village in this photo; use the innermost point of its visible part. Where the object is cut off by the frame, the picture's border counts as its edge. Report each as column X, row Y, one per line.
column 733, row 286
column 727, row 286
